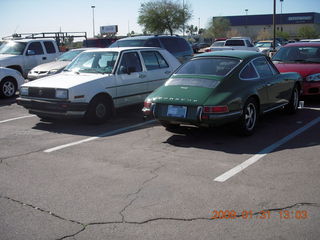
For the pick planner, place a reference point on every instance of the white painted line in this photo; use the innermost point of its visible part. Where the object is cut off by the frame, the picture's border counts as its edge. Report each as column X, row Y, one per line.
column 17, row 118
column 264, row 152
column 117, row 131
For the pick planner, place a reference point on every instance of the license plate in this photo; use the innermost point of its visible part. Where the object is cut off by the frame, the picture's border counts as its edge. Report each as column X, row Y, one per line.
column 177, row 111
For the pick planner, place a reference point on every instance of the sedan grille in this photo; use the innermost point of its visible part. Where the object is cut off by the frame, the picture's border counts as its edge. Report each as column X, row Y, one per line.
column 42, row 92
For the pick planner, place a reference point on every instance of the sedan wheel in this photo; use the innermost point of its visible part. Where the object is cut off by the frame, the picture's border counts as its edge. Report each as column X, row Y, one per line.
column 249, row 118
column 8, row 88
column 99, row 110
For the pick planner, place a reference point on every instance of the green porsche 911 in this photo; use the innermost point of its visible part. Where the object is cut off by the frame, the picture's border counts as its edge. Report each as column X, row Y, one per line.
column 221, row 87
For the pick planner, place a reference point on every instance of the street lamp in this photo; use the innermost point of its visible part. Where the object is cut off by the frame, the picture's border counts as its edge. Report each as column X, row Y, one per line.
column 93, row 20
column 246, row 21
column 281, row 15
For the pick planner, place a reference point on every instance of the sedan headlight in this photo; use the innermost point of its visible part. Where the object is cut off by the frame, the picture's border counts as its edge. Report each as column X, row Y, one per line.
column 313, row 77
column 24, row 91
column 62, row 93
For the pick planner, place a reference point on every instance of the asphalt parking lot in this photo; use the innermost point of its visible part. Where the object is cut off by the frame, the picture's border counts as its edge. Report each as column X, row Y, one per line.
column 130, row 179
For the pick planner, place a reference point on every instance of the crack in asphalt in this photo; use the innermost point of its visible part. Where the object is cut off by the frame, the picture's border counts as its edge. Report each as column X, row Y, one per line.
column 123, row 221
column 19, row 155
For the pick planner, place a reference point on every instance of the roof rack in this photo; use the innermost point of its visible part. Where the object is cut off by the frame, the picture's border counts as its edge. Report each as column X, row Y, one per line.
column 58, row 36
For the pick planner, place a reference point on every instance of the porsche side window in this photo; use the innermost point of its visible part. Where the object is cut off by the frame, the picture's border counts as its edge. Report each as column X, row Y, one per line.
column 248, row 72
column 262, row 67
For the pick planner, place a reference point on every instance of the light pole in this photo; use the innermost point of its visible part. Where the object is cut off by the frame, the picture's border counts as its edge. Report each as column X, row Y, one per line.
column 246, row 21
column 274, row 25
column 281, row 15
column 93, row 20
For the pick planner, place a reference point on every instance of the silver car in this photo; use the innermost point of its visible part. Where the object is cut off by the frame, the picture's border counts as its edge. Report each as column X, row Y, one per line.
column 54, row 67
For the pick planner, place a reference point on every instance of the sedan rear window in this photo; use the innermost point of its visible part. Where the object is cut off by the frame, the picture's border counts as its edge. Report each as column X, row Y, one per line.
column 209, row 66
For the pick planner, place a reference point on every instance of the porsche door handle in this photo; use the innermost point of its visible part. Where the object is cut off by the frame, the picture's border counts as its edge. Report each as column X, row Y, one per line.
column 167, row 72
column 142, row 76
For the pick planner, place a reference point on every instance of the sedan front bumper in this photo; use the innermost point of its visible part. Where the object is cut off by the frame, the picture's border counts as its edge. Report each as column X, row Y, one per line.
column 52, row 108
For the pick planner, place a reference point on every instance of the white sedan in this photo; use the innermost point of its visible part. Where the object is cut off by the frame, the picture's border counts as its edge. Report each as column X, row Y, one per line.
column 10, row 82
column 98, row 81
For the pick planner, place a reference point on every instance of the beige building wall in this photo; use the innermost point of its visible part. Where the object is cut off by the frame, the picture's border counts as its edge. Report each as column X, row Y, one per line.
column 254, row 31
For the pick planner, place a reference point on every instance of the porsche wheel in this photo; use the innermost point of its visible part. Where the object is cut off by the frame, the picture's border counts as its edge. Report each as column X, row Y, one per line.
column 248, row 120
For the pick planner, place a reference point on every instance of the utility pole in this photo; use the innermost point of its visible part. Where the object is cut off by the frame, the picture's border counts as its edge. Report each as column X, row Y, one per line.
column 274, row 25
column 183, row 18
column 93, row 20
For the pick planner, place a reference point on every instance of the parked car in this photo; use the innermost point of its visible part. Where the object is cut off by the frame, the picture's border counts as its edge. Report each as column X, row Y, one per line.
column 176, row 45
column 304, row 58
column 221, row 87
column 239, row 44
column 216, row 46
column 10, row 82
column 267, row 45
column 23, row 55
column 54, row 67
column 98, row 81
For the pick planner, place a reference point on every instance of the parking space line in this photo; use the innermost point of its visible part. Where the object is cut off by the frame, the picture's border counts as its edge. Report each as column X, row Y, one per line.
column 225, row 176
column 17, row 118
column 110, row 133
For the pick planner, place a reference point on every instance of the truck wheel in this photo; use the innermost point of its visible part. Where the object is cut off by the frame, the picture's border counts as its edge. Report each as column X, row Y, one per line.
column 99, row 110
column 7, row 88
column 248, row 120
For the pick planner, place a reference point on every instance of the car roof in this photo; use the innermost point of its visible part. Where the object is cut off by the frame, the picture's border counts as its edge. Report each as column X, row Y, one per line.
column 231, row 53
column 31, row 39
column 120, row 49
column 147, row 37
column 303, row 44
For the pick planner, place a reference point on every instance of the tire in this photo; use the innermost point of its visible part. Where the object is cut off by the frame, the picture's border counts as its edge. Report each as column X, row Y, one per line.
column 99, row 110
column 293, row 104
column 249, row 118
column 7, row 88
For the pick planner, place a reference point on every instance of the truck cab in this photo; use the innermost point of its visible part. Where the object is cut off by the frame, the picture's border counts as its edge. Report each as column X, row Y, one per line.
column 24, row 54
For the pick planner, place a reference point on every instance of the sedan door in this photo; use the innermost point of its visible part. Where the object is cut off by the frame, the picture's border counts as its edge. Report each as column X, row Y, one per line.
column 158, row 69
column 132, row 81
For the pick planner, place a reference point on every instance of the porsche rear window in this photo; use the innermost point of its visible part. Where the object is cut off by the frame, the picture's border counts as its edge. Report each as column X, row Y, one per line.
column 209, row 66
column 192, row 82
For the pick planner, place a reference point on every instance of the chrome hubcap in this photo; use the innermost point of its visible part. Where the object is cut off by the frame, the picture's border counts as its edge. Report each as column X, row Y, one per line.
column 250, row 116
column 8, row 89
column 100, row 110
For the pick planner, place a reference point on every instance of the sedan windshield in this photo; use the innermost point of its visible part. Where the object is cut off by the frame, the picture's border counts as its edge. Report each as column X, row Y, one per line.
column 209, row 66
column 93, row 62
column 69, row 56
column 306, row 54
column 12, row 48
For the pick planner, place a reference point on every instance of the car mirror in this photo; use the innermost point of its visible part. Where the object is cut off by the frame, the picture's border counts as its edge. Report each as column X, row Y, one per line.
column 31, row 52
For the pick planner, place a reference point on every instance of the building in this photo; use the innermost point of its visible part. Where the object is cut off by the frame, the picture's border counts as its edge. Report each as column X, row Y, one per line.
column 256, row 25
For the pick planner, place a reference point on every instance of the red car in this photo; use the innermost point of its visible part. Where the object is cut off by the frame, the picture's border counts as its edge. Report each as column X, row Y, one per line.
column 304, row 58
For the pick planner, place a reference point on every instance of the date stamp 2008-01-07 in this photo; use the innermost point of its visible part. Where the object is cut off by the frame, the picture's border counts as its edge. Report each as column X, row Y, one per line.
column 264, row 214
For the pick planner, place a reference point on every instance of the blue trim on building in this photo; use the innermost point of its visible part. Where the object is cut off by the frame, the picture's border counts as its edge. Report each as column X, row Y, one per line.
column 267, row 19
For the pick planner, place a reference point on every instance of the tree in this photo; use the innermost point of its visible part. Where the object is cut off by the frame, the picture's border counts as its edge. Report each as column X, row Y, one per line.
column 192, row 29
column 160, row 16
column 218, row 28
column 307, row 32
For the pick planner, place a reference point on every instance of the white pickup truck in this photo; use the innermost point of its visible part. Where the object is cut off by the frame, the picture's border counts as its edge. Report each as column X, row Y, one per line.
column 239, row 44
column 24, row 54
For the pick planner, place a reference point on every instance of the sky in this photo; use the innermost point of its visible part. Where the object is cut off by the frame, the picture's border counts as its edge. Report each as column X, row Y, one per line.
column 24, row 16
